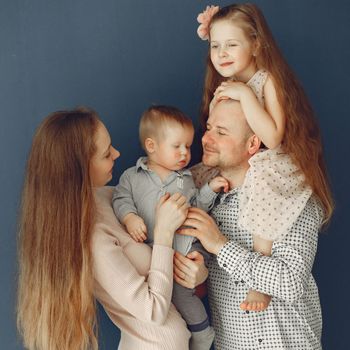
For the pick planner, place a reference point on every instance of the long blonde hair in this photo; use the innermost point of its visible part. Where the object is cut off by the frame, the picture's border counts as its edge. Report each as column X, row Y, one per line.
column 302, row 140
column 56, row 306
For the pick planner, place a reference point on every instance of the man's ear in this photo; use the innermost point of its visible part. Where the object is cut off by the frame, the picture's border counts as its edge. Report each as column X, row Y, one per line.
column 150, row 145
column 253, row 144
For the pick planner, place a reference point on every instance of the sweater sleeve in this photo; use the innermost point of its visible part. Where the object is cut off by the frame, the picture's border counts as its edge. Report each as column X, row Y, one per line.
column 130, row 276
column 146, row 298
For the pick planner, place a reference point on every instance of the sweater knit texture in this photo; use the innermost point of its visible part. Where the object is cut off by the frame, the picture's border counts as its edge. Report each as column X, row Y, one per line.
column 134, row 284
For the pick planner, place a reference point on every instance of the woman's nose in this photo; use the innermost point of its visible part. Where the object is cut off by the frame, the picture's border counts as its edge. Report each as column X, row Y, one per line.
column 115, row 153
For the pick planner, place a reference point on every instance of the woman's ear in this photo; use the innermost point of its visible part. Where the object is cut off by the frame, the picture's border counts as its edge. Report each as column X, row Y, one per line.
column 253, row 144
column 150, row 145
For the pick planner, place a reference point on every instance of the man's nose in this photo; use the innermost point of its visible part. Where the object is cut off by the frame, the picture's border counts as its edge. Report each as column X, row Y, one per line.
column 206, row 138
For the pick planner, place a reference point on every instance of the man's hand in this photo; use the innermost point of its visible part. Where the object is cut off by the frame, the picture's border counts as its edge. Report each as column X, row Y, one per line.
column 205, row 229
column 190, row 270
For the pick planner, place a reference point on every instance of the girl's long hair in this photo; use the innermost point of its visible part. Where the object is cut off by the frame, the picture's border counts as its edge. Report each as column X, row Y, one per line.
column 302, row 140
column 56, row 306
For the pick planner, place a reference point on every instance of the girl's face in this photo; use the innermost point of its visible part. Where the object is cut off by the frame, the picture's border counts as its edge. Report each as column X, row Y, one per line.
column 101, row 164
column 231, row 52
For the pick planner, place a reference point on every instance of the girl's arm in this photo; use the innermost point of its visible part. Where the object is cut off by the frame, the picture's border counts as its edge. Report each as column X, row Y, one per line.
column 269, row 123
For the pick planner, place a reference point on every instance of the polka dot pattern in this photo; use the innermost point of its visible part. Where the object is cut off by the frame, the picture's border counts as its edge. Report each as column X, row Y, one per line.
column 257, row 82
column 273, row 194
column 202, row 174
column 293, row 319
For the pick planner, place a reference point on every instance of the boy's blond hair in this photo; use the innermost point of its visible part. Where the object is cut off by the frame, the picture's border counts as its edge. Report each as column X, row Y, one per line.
column 156, row 119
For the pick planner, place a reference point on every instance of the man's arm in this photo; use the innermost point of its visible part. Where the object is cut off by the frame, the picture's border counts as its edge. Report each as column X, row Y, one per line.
column 286, row 272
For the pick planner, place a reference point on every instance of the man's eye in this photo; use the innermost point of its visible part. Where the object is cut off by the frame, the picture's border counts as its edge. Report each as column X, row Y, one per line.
column 214, row 46
column 108, row 155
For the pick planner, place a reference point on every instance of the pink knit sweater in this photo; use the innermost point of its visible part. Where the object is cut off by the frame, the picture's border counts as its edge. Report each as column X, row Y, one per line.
column 134, row 285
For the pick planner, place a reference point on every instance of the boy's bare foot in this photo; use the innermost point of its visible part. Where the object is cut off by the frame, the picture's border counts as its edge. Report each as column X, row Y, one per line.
column 255, row 301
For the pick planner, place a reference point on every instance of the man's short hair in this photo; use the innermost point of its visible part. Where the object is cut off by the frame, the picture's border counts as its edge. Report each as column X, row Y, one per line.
column 156, row 119
column 248, row 130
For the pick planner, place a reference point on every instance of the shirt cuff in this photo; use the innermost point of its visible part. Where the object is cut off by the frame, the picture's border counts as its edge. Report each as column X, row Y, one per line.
column 207, row 194
column 236, row 260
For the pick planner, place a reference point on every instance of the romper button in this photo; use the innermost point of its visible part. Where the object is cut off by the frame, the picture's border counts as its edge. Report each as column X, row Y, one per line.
column 236, row 282
column 260, row 340
column 224, row 265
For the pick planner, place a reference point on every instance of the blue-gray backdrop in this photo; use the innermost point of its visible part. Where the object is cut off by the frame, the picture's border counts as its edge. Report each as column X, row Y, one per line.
column 118, row 57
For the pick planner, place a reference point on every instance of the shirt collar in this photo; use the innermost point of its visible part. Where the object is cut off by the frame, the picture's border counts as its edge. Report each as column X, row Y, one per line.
column 232, row 192
column 142, row 164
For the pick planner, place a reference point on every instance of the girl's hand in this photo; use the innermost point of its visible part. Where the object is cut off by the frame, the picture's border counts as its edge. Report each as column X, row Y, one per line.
column 215, row 100
column 231, row 89
column 189, row 271
column 171, row 212
column 205, row 229
column 219, row 183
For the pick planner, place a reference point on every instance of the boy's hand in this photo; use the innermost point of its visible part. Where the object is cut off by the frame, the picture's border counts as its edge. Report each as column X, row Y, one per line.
column 136, row 227
column 219, row 183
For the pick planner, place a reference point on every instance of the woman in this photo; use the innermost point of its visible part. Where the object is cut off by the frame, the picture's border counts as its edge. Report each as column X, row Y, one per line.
column 72, row 249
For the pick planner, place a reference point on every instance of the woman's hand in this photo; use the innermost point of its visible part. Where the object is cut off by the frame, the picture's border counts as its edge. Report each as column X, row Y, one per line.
column 205, row 229
column 171, row 212
column 189, row 271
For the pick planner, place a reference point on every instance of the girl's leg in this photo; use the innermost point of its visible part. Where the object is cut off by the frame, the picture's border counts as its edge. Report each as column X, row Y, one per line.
column 256, row 301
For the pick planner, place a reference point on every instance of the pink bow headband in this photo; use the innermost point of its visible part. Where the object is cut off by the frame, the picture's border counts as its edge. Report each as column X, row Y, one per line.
column 204, row 19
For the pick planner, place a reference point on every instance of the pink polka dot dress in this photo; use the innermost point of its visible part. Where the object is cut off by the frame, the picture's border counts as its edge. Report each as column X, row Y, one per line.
column 274, row 192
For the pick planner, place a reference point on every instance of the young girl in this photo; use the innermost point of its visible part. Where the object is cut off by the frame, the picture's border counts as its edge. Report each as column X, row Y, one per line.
column 245, row 64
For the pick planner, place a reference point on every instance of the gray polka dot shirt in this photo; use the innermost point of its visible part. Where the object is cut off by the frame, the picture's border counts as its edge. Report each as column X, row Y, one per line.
column 293, row 319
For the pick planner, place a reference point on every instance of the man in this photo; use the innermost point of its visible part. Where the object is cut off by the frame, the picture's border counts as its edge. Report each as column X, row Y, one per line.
column 293, row 318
